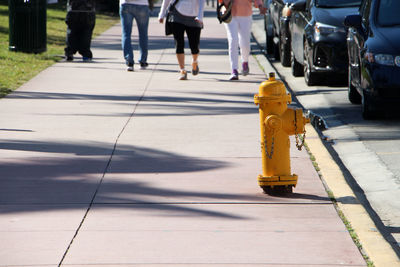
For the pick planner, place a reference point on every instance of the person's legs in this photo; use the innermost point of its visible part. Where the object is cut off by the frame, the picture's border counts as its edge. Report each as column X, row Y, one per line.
column 72, row 38
column 126, row 23
column 193, row 34
column 244, row 31
column 181, row 61
column 178, row 31
column 233, row 42
column 86, row 35
column 142, row 14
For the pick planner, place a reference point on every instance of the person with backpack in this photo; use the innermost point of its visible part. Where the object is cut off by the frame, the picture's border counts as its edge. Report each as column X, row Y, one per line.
column 238, row 32
column 80, row 20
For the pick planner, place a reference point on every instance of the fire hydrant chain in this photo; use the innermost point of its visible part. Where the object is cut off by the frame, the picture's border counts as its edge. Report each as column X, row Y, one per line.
column 269, row 155
column 299, row 147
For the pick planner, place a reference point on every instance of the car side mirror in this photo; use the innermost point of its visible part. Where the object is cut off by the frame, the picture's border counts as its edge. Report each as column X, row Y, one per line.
column 353, row 21
column 299, row 6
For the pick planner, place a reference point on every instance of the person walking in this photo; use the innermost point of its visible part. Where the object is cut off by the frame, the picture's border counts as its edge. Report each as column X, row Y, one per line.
column 239, row 32
column 80, row 20
column 187, row 16
column 140, row 11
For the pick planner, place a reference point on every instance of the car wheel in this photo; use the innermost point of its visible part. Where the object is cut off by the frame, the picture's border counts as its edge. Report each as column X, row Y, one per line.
column 310, row 77
column 353, row 95
column 367, row 108
column 297, row 68
column 270, row 45
column 276, row 51
column 284, row 50
column 269, row 40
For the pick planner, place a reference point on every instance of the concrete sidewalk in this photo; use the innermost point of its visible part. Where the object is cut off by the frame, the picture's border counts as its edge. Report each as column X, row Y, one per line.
column 105, row 167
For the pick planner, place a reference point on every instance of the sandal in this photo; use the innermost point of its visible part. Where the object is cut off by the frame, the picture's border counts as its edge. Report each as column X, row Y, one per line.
column 183, row 75
column 195, row 68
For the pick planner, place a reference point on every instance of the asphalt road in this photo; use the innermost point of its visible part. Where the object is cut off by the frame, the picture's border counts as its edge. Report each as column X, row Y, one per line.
column 367, row 151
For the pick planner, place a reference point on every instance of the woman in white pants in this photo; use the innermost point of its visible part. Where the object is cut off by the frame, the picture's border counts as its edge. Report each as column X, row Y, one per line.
column 238, row 32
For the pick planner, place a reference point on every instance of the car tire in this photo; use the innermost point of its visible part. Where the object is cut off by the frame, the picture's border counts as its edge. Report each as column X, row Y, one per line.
column 284, row 51
column 270, row 45
column 277, row 54
column 367, row 109
column 352, row 93
column 310, row 77
column 270, row 42
column 297, row 68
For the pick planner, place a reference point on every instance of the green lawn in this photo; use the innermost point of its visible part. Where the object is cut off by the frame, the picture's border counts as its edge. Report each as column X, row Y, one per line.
column 16, row 68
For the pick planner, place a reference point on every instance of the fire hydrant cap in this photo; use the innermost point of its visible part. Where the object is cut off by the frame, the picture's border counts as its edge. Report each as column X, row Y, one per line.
column 272, row 88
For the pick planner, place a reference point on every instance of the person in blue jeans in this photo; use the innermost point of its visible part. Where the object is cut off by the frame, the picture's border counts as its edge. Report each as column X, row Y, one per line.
column 140, row 11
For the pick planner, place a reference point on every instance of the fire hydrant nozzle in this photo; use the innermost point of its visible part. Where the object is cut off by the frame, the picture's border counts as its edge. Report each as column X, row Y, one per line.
column 277, row 123
column 273, row 122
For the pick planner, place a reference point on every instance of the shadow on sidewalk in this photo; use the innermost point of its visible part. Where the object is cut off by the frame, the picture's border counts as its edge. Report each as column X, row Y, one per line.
column 74, row 179
column 189, row 105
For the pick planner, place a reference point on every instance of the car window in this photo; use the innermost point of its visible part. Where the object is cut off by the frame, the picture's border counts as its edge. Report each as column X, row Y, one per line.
column 337, row 3
column 388, row 13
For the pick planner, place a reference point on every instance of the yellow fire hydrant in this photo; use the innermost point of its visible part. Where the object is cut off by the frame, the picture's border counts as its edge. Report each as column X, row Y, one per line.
column 277, row 123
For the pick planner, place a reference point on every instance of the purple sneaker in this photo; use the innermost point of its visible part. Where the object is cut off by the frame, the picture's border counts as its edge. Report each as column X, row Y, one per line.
column 245, row 68
column 234, row 75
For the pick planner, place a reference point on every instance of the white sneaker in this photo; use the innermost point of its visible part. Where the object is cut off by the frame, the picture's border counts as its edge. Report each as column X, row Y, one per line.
column 130, row 67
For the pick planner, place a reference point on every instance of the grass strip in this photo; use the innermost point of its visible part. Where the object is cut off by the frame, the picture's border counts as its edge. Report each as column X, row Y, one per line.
column 16, row 68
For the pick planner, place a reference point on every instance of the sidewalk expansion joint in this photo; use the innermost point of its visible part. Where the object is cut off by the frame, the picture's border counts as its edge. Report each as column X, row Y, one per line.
column 109, row 161
column 215, row 203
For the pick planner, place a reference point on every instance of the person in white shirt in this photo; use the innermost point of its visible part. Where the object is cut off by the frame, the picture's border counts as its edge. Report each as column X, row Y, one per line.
column 187, row 16
column 140, row 11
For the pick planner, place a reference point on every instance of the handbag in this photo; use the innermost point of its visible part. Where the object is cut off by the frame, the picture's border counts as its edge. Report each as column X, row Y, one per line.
column 224, row 12
column 168, row 18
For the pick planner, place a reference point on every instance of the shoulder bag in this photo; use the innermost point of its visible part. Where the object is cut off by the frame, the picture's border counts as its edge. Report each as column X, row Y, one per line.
column 168, row 18
column 224, row 12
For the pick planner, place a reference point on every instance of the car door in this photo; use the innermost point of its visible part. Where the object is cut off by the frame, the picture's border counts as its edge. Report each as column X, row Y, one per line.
column 298, row 22
column 308, row 26
column 301, row 21
column 357, row 48
column 276, row 10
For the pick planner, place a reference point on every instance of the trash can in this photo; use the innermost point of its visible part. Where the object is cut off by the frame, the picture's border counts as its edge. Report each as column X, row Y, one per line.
column 27, row 20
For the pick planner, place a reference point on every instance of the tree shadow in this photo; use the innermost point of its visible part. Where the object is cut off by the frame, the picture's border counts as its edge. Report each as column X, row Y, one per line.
column 189, row 106
column 69, row 175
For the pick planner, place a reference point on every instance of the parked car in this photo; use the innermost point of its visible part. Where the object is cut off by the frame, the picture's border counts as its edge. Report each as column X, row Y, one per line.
column 374, row 56
column 319, row 37
column 277, row 29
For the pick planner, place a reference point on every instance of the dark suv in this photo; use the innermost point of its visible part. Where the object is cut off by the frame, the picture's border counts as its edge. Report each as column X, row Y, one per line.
column 374, row 56
column 319, row 37
column 277, row 29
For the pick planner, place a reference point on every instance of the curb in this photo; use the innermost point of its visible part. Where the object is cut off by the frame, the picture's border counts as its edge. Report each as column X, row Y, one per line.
column 374, row 246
